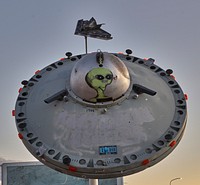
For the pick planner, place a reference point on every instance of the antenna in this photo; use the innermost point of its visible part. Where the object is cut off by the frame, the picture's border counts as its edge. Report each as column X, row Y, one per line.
column 91, row 29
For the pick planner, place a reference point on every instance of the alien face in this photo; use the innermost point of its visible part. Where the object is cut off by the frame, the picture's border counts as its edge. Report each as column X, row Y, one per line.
column 98, row 79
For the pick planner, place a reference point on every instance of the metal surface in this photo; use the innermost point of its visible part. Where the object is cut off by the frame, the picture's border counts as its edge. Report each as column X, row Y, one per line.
column 103, row 128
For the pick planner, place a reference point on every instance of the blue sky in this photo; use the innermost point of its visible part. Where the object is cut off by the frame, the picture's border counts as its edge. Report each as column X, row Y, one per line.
column 36, row 33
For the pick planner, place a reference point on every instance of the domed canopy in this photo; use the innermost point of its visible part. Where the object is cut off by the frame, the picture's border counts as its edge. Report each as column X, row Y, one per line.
column 99, row 77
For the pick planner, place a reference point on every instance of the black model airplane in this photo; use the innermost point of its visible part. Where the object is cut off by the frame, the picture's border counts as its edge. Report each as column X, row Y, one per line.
column 91, row 29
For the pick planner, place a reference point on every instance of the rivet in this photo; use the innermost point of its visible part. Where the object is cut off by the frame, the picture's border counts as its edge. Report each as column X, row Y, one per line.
column 68, row 54
column 128, row 52
column 66, row 160
column 65, row 98
column 104, row 111
column 135, row 96
column 24, row 82
column 169, row 71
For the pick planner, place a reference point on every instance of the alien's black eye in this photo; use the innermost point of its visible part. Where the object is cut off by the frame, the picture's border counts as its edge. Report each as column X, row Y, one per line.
column 99, row 77
column 109, row 76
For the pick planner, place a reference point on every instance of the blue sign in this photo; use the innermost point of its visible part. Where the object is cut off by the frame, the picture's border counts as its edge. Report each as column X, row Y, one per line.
column 105, row 150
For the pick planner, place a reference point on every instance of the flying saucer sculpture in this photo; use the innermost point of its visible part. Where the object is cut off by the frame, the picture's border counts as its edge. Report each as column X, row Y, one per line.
column 101, row 115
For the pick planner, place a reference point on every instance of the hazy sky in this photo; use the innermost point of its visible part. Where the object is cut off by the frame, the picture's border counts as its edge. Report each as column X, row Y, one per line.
column 35, row 33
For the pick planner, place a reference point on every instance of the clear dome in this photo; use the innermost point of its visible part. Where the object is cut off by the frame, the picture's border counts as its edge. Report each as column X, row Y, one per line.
column 99, row 77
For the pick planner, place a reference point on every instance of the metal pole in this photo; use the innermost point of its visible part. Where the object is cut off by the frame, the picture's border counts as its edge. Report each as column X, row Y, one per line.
column 93, row 181
column 86, row 44
column 120, row 181
column 178, row 178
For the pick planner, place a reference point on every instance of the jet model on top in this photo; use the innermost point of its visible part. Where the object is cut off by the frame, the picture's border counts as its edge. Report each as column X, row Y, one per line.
column 91, row 29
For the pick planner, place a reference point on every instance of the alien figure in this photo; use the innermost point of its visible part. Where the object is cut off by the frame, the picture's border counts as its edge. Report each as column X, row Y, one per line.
column 98, row 79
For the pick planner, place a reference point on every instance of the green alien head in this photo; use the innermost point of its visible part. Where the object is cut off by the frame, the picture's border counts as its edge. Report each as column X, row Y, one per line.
column 98, row 79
